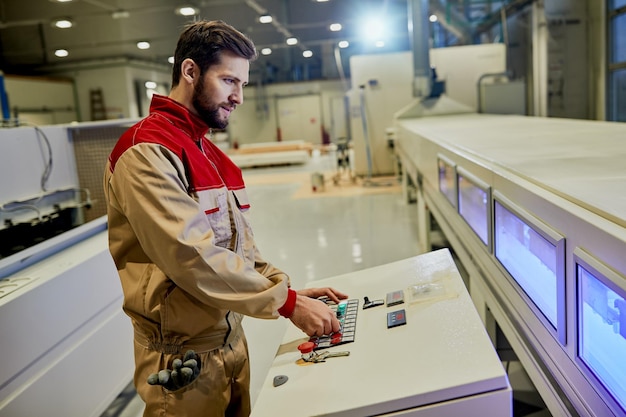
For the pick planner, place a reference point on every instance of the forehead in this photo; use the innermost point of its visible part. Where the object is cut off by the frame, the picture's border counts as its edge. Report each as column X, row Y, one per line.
column 231, row 65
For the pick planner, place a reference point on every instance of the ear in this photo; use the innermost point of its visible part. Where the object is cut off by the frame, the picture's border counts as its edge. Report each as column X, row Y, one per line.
column 189, row 71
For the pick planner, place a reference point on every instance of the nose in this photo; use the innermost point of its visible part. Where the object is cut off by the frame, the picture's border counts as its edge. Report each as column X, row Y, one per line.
column 237, row 95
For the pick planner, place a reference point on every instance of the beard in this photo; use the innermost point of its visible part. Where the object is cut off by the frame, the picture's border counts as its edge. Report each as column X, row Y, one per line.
column 208, row 112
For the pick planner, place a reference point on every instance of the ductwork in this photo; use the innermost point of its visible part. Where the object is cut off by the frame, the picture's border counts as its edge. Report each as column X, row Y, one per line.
column 418, row 35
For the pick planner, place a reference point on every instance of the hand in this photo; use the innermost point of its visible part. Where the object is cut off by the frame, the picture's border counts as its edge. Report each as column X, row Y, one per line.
column 183, row 372
column 314, row 317
column 329, row 292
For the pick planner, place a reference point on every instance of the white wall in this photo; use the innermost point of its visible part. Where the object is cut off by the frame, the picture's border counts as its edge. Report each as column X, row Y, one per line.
column 256, row 120
column 41, row 100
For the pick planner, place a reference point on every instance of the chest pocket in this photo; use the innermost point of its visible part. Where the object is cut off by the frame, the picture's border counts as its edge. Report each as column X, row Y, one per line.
column 215, row 205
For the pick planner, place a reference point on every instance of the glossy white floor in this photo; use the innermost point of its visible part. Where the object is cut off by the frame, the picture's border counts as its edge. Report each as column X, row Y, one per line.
column 311, row 238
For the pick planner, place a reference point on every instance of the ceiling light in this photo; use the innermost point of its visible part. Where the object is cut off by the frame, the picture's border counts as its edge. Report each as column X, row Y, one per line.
column 150, row 85
column 266, row 51
column 433, row 18
column 321, row 1
column 343, row 44
column 335, row 27
column 61, row 53
column 62, row 23
column 60, row 1
column 291, row 41
column 187, row 11
column 120, row 14
column 170, row 60
column 307, row 54
column 265, row 19
column 143, row 45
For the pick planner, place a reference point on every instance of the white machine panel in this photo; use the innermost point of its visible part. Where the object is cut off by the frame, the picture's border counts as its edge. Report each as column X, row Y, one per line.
column 441, row 362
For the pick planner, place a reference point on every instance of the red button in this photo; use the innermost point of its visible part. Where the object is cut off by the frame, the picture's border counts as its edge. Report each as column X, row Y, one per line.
column 306, row 347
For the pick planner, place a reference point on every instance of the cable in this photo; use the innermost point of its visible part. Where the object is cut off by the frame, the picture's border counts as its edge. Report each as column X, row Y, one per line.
column 45, row 176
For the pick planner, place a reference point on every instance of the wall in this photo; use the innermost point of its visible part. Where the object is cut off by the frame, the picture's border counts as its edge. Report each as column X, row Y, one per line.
column 256, row 120
column 41, row 101
column 117, row 81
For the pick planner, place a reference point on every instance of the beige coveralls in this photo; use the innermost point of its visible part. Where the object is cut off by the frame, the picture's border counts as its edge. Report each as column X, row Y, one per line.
column 189, row 268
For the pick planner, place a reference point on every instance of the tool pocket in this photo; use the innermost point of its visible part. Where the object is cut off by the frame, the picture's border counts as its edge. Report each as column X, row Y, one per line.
column 214, row 202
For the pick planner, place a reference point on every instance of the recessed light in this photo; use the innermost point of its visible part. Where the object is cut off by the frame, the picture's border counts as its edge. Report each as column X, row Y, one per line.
column 335, row 27
column 63, row 23
column 291, row 41
column 266, row 51
column 61, row 53
column 120, row 14
column 143, row 45
column 307, row 54
column 187, row 11
column 343, row 44
column 265, row 18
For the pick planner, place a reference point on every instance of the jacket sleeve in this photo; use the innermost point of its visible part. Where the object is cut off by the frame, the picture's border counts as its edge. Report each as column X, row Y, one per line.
column 149, row 188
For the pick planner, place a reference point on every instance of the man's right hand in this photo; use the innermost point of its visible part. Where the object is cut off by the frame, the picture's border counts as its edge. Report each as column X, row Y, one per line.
column 314, row 317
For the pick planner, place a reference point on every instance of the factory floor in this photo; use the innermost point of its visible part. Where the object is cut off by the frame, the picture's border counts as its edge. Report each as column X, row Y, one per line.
column 340, row 227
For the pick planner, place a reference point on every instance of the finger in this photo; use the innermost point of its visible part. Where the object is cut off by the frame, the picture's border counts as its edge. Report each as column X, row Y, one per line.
column 164, row 376
column 153, row 379
column 190, row 354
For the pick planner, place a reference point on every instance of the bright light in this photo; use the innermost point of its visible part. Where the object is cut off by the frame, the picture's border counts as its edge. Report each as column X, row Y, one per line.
column 335, row 27
column 374, row 29
column 63, row 23
column 170, row 60
column 150, row 85
column 265, row 19
column 380, row 44
column 61, row 53
column 266, row 51
column 343, row 44
column 291, row 41
column 433, row 18
column 187, row 11
column 307, row 54
column 143, row 45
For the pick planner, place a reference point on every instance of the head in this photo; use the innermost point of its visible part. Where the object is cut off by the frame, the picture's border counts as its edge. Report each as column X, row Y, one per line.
column 211, row 65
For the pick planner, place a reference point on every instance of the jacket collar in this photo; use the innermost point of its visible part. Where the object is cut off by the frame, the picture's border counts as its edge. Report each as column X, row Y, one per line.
column 179, row 116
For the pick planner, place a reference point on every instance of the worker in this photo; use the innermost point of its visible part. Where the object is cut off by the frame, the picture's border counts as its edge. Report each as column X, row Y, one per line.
column 180, row 237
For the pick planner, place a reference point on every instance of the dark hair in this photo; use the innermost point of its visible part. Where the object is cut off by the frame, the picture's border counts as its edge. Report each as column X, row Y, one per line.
column 204, row 41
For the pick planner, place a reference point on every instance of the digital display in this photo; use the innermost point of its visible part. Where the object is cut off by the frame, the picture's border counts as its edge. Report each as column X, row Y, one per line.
column 474, row 206
column 530, row 258
column 447, row 180
column 602, row 332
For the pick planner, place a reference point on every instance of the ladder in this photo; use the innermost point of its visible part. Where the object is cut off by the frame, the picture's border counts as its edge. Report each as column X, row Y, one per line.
column 98, row 111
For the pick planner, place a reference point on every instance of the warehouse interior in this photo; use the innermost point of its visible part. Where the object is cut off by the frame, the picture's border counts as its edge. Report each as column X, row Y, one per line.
column 473, row 142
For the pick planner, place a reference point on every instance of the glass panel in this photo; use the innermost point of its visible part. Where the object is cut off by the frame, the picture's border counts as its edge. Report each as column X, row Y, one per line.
column 616, row 4
column 447, row 184
column 617, row 96
column 602, row 333
column 530, row 259
column 618, row 39
column 473, row 207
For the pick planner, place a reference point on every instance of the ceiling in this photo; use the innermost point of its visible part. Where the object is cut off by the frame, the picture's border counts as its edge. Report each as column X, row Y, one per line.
column 110, row 29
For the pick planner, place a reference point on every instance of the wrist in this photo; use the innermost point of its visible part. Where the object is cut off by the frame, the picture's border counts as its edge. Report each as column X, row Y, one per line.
column 290, row 304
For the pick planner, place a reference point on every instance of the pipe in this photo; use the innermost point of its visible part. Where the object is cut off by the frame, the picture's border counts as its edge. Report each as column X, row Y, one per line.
column 418, row 35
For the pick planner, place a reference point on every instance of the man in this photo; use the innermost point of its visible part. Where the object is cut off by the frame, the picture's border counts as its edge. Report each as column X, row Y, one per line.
column 182, row 243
